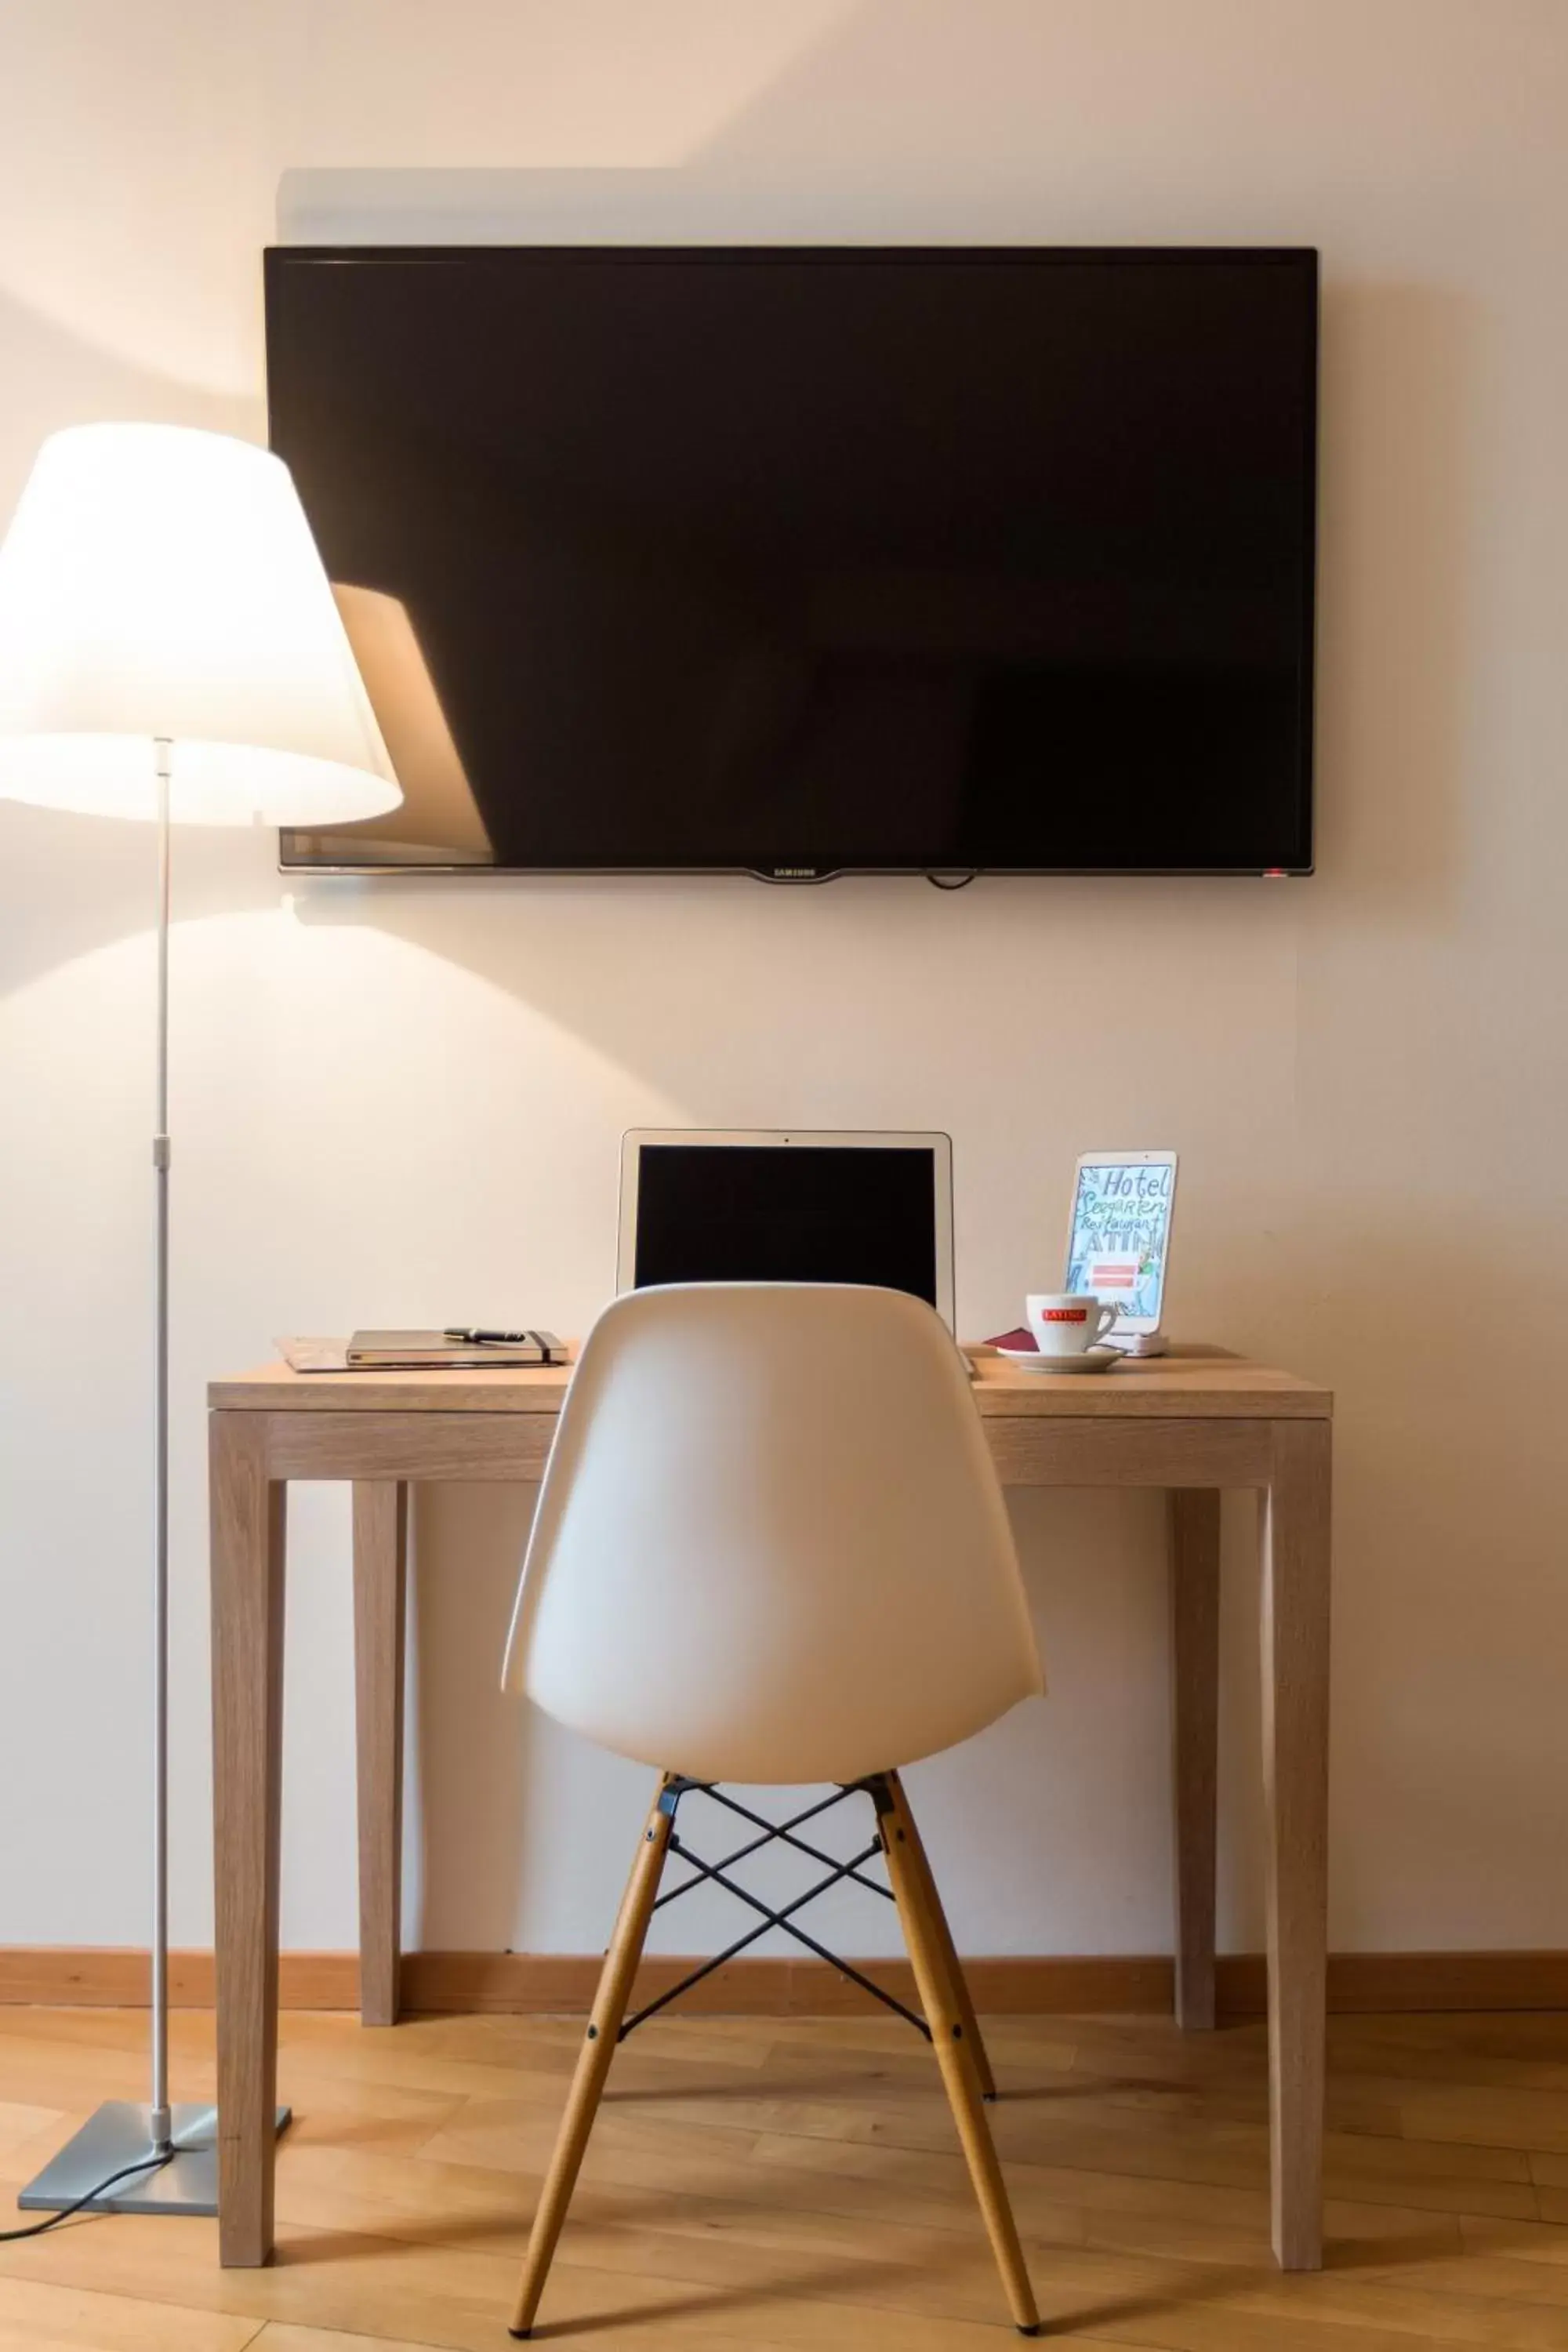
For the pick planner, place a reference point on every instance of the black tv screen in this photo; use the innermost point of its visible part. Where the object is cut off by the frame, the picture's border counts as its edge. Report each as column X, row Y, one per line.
column 799, row 562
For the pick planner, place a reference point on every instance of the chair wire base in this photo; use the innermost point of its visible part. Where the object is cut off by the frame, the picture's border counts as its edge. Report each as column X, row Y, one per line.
column 780, row 1834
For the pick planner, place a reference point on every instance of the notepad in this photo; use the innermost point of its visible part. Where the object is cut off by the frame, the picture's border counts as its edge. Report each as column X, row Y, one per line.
column 429, row 1351
column 370, row 1352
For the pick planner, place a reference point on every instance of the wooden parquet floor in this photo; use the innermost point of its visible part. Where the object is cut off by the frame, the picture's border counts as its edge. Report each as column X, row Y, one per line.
column 757, row 2182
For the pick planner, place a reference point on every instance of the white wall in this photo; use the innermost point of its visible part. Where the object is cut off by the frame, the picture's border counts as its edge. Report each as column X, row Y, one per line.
column 403, row 1102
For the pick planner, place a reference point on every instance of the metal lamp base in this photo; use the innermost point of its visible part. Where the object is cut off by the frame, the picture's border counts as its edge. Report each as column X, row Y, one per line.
column 113, row 2136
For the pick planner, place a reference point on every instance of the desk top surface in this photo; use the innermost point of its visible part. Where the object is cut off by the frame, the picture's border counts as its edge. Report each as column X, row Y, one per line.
column 1189, row 1383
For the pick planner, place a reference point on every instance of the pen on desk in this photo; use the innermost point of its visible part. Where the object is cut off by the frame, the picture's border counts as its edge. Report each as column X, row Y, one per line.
column 471, row 1335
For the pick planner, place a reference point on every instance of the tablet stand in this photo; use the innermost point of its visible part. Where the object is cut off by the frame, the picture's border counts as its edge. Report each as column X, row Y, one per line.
column 1139, row 1343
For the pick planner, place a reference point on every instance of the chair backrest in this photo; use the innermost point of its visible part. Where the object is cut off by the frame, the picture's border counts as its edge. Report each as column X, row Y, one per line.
column 771, row 1545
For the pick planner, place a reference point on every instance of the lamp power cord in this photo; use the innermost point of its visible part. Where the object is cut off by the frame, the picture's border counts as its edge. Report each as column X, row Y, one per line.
column 52, row 2220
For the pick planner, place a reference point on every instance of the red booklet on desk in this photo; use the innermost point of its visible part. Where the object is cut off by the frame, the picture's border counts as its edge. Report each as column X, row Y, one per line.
column 1022, row 1341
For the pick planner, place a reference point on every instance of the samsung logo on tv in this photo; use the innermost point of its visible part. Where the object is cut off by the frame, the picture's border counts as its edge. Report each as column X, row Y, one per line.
column 794, row 873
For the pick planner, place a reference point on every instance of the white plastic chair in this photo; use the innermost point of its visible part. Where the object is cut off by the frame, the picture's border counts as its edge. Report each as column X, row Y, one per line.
column 770, row 1547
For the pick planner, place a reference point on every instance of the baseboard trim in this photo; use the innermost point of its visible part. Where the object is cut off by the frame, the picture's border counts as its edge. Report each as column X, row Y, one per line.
column 463, row 1982
column 110, row 1976
column 535, row 1983
column 1363, row 1982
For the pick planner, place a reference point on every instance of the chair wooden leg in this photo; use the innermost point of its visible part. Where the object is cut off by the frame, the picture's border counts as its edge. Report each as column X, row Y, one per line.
column 959, row 2078
column 947, row 1950
column 593, row 2064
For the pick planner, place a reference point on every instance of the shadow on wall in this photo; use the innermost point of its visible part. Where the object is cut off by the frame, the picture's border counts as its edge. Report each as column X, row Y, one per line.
column 1399, row 372
column 1449, row 1604
column 471, row 1741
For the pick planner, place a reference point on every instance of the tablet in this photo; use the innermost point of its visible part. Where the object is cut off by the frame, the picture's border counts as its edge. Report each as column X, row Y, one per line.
column 1120, row 1236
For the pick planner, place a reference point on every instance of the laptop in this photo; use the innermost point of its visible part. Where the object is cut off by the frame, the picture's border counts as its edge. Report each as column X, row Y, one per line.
column 810, row 1205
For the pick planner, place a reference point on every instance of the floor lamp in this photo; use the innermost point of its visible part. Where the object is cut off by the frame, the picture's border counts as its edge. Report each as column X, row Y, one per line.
column 170, row 648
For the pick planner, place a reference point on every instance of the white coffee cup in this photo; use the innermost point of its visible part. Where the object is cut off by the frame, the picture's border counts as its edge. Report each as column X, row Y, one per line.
column 1068, row 1322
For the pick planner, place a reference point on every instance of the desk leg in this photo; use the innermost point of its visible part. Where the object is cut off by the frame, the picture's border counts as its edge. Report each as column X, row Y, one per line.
column 1194, row 1717
column 381, row 1570
column 247, row 1561
column 1295, row 1617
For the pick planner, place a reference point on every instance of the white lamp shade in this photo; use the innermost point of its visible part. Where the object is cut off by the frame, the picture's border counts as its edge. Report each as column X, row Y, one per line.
column 157, row 582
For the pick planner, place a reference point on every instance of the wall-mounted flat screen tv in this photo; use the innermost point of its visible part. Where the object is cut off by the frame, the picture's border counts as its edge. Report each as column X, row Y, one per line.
column 803, row 562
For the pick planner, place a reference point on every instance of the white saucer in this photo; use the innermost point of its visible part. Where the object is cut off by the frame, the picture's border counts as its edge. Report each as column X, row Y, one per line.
column 1094, row 1359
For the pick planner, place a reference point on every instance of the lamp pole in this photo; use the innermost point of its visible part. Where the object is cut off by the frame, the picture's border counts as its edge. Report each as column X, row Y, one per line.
column 159, row 2121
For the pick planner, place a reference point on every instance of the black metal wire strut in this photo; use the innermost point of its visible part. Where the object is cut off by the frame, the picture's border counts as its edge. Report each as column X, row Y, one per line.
column 717, row 1873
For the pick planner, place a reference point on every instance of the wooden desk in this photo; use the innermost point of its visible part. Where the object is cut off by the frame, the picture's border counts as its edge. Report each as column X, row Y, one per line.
column 1194, row 1423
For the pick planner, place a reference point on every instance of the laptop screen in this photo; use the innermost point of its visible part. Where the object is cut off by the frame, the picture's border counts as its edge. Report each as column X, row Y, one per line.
column 747, row 1213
